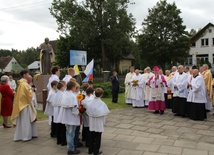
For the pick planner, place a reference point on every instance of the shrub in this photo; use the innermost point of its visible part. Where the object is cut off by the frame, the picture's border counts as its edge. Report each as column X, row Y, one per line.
column 106, row 86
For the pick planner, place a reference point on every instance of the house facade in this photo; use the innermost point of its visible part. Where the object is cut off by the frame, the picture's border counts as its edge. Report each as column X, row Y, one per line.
column 202, row 46
column 9, row 64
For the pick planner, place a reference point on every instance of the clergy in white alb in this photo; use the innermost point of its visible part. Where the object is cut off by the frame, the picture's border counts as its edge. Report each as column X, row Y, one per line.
column 24, row 113
column 137, row 89
column 146, row 76
column 197, row 97
column 128, row 85
column 180, row 92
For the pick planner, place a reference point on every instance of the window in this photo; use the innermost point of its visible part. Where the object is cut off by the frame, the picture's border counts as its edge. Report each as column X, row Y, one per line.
column 188, row 62
column 193, row 44
column 210, row 30
column 205, row 42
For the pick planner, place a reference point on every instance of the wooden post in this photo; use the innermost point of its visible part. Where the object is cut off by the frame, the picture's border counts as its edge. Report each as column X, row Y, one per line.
column 44, row 96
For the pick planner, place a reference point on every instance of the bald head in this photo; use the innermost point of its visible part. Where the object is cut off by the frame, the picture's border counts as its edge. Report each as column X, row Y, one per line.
column 205, row 67
column 174, row 68
column 195, row 72
column 180, row 68
column 167, row 72
column 137, row 72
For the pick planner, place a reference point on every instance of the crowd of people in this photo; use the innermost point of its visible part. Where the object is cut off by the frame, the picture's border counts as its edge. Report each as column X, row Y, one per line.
column 188, row 92
column 69, row 109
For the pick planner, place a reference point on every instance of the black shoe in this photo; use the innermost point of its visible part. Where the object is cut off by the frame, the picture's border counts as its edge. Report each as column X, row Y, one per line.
column 6, row 126
column 63, row 144
column 74, row 152
column 79, row 145
column 156, row 112
column 161, row 112
column 100, row 152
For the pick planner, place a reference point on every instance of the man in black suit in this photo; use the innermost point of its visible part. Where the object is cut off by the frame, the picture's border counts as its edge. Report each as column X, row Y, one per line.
column 115, row 84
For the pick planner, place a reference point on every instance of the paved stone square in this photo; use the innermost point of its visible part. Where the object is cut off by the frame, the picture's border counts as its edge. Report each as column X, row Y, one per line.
column 129, row 131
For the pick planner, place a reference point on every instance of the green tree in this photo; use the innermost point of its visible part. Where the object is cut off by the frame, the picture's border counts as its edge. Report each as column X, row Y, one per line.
column 102, row 27
column 192, row 32
column 164, row 39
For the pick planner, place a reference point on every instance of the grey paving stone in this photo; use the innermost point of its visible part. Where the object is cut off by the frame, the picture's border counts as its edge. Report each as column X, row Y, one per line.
column 123, row 131
column 205, row 146
column 169, row 127
column 124, row 126
column 148, row 147
column 124, row 138
column 108, row 135
column 154, row 130
column 139, row 128
column 140, row 133
column 143, row 140
column 153, row 153
column 170, row 149
column 185, row 144
column 187, row 130
column 205, row 132
column 194, row 152
column 130, row 152
column 158, row 136
column 127, row 145
column 163, row 141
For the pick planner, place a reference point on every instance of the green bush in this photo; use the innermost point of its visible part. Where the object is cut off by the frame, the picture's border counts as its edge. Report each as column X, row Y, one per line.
column 106, row 86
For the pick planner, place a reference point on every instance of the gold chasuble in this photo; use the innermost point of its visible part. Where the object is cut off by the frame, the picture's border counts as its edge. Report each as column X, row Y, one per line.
column 22, row 99
column 208, row 82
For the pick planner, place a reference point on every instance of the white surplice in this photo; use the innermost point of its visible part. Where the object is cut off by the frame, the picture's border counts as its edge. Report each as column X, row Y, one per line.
column 128, row 87
column 197, row 91
column 53, row 77
column 146, row 77
column 181, row 81
column 137, row 92
column 67, row 78
column 69, row 113
column 97, row 110
column 85, row 103
column 57, row 100
column 50, row 99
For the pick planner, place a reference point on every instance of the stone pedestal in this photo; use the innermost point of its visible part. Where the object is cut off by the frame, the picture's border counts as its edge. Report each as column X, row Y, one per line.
column 41, row 83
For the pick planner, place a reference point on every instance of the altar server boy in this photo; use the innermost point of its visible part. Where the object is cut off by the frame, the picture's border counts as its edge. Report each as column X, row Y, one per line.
column 96, row 110
column 69, row 115
column 85, row 132
column 49, row 106
column 60, row 128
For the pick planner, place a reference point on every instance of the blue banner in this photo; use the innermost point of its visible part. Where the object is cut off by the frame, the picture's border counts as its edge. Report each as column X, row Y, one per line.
column 78, row 57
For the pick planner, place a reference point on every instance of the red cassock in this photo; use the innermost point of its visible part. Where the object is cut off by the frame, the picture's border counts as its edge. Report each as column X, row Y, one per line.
column 6, row 100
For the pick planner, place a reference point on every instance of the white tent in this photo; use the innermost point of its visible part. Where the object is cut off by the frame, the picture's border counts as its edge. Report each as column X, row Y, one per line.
column 34, row 66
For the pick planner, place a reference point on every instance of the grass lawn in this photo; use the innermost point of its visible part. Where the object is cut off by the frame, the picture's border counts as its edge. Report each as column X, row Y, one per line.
column 121, row 104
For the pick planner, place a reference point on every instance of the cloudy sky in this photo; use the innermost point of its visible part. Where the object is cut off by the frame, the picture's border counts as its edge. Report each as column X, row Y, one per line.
column 25, row 23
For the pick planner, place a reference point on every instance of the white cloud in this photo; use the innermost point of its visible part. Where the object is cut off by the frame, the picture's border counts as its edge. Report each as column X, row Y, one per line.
column 25, row 23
